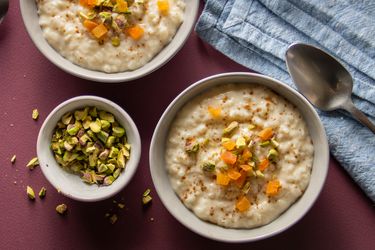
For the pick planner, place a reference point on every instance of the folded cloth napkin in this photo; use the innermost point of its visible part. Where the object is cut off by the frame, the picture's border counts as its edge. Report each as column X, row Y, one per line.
column 256, row 34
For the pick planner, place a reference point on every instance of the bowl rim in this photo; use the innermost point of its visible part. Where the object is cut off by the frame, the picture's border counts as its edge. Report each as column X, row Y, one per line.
column 165, row 54
column 136, row 147
column 191, row 88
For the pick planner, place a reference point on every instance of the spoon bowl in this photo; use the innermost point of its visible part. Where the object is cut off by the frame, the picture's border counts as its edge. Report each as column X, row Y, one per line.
column 323, row 80
column 4, row 4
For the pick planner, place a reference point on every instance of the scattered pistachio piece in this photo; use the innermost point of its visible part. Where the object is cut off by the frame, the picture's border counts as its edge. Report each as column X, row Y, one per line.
column 35, row 114
column 33, row 163
column 146, row 199
column 121, row 205
column 147, row 192
column 42, row 192
column 113, row 219
column 13, row 159
column 30, row 193
column 61, row 209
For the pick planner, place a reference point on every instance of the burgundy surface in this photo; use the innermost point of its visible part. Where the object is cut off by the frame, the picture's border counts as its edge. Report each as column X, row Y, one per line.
column 342, row 218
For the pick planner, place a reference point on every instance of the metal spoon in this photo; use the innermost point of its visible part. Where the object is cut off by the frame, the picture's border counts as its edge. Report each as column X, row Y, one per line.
column 323, row 80
column 4, row 4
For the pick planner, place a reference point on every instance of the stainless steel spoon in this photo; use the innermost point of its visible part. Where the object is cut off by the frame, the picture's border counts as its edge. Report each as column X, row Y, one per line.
column 323, row 80
column 4, row 4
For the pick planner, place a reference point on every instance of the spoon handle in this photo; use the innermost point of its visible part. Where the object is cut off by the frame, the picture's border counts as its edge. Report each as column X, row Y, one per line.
column 359, row 115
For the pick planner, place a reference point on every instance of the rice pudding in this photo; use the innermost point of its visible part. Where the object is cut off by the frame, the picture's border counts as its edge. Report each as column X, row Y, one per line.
column 239, row 155
column 110, row 35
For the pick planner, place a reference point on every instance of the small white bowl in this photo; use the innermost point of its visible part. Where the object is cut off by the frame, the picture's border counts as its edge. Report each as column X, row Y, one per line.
column 291, row 215
column 70, row 184
column 30, row 18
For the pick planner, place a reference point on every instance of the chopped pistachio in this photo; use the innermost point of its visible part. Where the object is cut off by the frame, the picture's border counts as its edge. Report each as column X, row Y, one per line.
column 146, row 192
column 33, row 163
column 146, row 199
column 274, row 143
column 191, row 146
column 231, row 127
column 264, row 144
column 272, row 155
column 61, row 209
column 42, row 192
column 67, row 118
column 116, row 173
column 259, row 174
column 81, row 115
column 110, row 168
column 110, row 140
column 30, row 193
column 252, row 126
column 96, row 126
column 246, row 187
column 35, row 114
column 105, row 124
column 13, row 159
column 103, row 136
column 121, row 159
column 118, row 131
column 107, row 215
column 116, row 41
column 208, row 166
column 121, row 205
column 113, row 219
column 108, row 180
column 106, row 116
column 240, row 142
column 113, row 152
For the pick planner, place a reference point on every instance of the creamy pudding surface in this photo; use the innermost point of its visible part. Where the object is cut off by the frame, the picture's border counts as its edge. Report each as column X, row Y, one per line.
column 110, row 35
column 239, row 155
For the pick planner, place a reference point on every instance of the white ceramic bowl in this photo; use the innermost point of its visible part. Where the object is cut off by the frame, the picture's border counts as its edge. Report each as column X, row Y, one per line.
column 212, row 231
column 31, row 21
column 70, row 184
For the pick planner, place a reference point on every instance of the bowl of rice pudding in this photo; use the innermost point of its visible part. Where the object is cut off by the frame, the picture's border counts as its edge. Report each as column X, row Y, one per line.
column 109, row 40
column 239, row 157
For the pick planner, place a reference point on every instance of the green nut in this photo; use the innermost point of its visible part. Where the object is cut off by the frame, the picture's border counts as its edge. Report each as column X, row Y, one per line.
column 96, row 126
column 110, row 140
column 67, row 118
column 81, row 115
column 121, row 159
column 42, row 192
column 117, row 173
column 108, row 180
column 30, row 193
column 105, row 124
column 13, row 159
column 61, row 209
column 113, row 219
column 231, row 127
column 272, row 155
column 146, row 199
column 103, row 136
column 118, row 131
column 106, row 116
column 113, row 152
column 240, row 142
column 208, row 166
column 33, row 163
column 35, row 114
column 146, row 192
